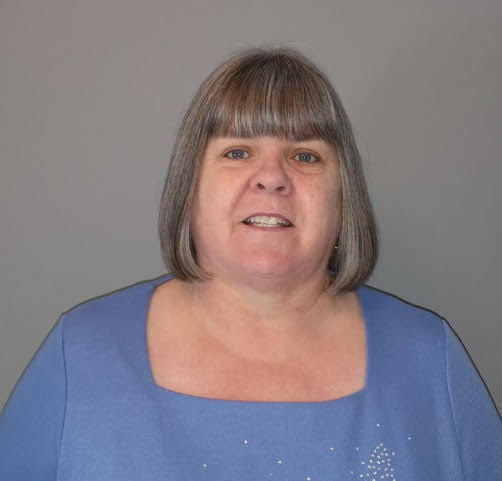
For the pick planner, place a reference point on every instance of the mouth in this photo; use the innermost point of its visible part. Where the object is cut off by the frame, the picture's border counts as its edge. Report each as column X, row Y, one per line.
column 267, row 221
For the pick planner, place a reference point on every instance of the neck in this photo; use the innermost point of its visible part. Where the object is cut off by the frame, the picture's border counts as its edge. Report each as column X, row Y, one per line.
column 269, row 324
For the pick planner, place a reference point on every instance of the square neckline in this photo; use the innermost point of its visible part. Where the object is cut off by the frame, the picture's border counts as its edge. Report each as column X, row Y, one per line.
column 178, row 396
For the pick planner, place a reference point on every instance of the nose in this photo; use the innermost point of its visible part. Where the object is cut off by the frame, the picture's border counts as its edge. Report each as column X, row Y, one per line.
column 270, row 176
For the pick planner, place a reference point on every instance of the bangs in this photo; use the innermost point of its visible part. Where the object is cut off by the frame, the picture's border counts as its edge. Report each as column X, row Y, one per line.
column 273, row 97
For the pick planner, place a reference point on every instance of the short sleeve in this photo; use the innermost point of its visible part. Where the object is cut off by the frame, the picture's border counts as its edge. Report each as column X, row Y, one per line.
column 477, row 423
column 32, row 421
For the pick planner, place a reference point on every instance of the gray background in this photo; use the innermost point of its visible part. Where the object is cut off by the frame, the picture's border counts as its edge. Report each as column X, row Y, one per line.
column 91, row 93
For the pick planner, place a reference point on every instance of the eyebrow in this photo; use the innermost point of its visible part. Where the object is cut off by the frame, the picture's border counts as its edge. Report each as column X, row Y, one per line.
column 286, row 139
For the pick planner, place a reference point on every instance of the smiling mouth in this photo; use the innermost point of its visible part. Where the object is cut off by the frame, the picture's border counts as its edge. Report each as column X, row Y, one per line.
column 267, row 221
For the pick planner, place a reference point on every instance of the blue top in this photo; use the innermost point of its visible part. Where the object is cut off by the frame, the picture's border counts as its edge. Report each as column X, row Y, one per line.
column 87, row 409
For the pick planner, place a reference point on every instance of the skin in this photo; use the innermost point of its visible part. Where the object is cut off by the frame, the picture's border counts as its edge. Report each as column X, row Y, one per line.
column 267, row 177
column 263, row 327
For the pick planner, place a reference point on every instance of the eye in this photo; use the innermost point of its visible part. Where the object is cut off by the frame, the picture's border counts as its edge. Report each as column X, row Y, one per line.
column 236, row 154
column 306, row 157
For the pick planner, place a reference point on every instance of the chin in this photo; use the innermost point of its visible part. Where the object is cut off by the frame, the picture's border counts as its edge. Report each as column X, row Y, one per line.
column 267, row 266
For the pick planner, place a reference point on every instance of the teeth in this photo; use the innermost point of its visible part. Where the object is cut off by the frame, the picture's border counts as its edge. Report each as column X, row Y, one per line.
column 266, row 221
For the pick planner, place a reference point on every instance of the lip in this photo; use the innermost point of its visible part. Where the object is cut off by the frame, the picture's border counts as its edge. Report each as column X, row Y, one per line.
column 269, row 214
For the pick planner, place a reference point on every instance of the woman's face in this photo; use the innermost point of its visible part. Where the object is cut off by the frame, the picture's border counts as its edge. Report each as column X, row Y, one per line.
column 267, row 207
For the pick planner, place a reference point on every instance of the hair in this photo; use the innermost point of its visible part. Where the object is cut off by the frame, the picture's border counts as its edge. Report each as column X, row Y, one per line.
column 268, row 92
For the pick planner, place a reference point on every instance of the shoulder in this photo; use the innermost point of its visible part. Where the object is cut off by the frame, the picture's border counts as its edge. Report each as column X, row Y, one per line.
column 409, row 331
column 389, row 308
column 109, row 312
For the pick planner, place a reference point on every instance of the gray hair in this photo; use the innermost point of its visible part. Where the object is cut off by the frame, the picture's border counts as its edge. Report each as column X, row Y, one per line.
column 268, row 92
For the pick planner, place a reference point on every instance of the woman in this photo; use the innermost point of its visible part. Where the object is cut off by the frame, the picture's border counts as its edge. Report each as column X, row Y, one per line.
column 261, row 355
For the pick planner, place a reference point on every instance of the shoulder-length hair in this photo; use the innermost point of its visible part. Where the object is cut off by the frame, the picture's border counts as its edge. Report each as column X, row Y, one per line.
column 268, row 92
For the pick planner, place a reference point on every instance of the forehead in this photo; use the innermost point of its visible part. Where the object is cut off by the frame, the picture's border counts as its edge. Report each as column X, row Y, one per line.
column 217, row 141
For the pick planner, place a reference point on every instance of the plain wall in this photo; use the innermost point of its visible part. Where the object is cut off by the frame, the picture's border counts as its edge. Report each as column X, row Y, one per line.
column 91, row 93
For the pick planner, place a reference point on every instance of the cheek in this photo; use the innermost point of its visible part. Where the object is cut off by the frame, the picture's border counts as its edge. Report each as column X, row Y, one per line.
column 207, row 199
column 202, row 215
column 327, row 196
column 218, row 189
column 211, row 210
column 331, row 212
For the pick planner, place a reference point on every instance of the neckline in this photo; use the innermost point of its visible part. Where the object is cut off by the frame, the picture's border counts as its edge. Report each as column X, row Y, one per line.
column 172, row 395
